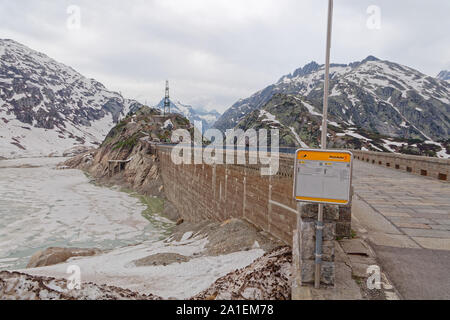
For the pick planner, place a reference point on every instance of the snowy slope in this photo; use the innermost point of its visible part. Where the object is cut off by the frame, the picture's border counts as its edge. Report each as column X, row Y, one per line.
column 47, row 107
column 376, row 95
column 299, row 124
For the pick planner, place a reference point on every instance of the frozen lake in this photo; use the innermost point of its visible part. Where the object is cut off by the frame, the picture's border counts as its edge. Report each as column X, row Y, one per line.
column 42, row 207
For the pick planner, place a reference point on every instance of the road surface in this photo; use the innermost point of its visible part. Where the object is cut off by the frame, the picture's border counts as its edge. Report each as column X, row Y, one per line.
column 407, row 219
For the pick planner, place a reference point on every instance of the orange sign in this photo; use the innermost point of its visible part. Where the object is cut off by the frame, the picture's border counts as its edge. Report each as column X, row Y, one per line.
column 324, row 156
column 323, row 176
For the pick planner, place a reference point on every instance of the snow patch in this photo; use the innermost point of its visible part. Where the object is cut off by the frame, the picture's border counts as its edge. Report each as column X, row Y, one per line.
column 269, row 117
column 300, row 141
column 356, row 135
column 167, row 124
column 178, row 280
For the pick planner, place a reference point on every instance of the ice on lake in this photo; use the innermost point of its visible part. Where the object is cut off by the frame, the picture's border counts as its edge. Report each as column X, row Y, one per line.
column 43, row 207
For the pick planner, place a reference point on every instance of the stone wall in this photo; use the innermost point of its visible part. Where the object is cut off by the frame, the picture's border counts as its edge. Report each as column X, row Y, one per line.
column 424, row 166
column 305, row 240
column 221, row 192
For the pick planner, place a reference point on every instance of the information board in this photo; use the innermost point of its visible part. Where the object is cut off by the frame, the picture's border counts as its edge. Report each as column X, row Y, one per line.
column 323, row 176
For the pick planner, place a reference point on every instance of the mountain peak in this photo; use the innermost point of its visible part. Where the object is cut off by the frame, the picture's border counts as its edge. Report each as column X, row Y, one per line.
column 301, row 72
column 314, row 66
column 42, row 98
column 6, row 42
column 370, row 58
column 307, row 69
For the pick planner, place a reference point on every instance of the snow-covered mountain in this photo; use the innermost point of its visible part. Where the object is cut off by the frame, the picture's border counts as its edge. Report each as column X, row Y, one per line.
column 444, row 75
column 207, row 118
column 379, row 97
column 299, row 124
column 47, row 107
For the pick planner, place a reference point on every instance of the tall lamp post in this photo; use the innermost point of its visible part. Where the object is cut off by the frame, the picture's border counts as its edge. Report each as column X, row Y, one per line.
column 319, row 231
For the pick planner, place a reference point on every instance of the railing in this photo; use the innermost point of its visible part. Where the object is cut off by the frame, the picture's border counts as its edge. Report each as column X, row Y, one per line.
column 423, row 166
column 112, row 164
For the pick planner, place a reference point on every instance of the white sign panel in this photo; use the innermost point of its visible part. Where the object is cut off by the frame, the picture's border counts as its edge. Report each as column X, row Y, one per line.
column 323, row 176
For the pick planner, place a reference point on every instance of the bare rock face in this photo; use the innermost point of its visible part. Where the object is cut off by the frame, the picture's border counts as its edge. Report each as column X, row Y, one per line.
column 52, row 256
column 229, row 236
column 130, row 142
column 161, row 259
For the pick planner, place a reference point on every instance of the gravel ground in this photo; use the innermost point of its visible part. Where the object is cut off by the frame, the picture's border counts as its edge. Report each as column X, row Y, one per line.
column 14, row 285
column 268, row 278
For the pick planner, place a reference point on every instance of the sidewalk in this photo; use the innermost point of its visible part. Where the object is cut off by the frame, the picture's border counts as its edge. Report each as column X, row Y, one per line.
column 406, row 220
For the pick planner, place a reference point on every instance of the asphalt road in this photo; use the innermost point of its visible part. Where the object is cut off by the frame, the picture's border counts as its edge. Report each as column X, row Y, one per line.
column 417, row 273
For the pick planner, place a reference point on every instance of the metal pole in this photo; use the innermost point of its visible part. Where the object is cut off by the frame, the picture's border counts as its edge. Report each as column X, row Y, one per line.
column 319, row 231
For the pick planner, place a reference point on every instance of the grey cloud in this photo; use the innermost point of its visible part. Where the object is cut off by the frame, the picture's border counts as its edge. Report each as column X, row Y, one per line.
column 217, row 51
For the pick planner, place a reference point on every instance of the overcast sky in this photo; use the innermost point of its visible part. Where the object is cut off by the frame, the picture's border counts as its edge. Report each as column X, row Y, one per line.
column 215, row 52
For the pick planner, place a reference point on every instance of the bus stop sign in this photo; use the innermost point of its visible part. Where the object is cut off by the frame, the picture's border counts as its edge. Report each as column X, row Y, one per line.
column 323, row 176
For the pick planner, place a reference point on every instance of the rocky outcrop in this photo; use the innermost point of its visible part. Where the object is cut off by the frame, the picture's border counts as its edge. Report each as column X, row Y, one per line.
column 161, row 259
column 130, row 142
column 15, row 286
column 229, row 236
column 268, row 278
column 51, row 256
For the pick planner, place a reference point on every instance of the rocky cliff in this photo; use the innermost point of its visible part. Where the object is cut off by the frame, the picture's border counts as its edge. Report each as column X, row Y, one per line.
column 129, row 143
